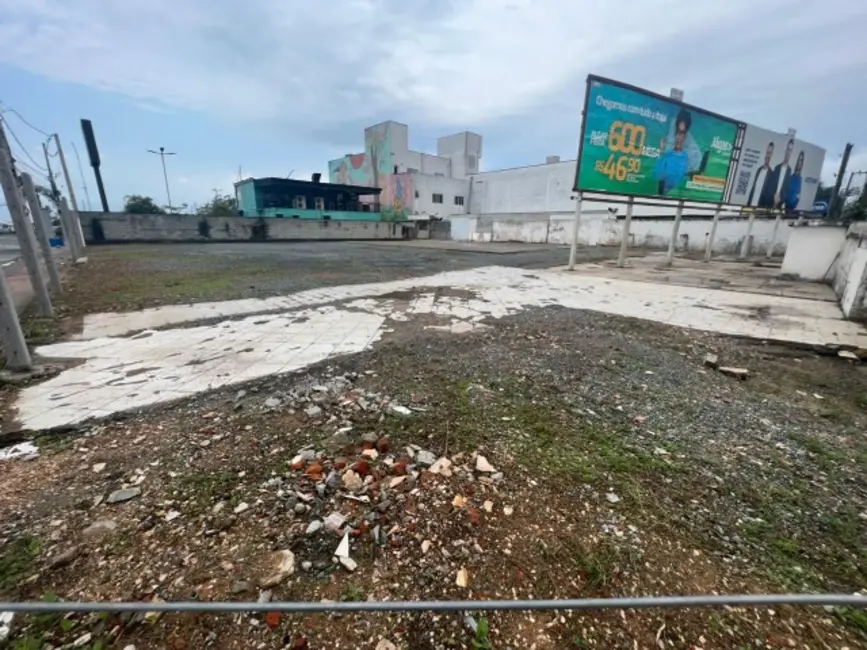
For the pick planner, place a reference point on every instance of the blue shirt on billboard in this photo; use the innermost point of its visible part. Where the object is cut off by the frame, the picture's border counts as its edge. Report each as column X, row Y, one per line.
column 671, row 169
column 793, row 192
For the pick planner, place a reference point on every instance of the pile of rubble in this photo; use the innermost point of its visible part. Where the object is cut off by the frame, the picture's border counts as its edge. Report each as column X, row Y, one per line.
column 355, row 498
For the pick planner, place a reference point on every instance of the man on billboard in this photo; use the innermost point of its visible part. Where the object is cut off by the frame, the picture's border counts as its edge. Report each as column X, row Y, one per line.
column 682, row 123
column 763, row 181
column 783, row 175
column 673, row 164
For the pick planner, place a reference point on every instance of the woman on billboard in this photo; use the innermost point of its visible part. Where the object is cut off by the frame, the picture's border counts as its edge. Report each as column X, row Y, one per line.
column 793, row 187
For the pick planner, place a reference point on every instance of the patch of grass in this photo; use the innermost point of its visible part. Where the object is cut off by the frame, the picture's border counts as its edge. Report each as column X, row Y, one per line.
column 354, row 593
column 853, row 617
column 205, row 488
column 826, row 456
column 38, row 330
column 17, row 560
column 584, row 449
column 601, row 563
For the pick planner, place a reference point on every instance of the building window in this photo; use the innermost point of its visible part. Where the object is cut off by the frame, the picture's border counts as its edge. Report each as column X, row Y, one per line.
column 319, row 202
column 437, row 198
column 416, row 194
column 299, row 203
column 459, row 200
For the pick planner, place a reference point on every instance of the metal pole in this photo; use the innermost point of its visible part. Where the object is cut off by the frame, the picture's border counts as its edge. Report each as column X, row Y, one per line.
column 745, row 245
column 75, row 221
column 66, row 174
column 708, row 251
column 81, row 172
column 166, row 177
column 23, row 230
column 576, row 225
column 641, row 602
column 41, row 233
column 68, row 230
column 624, row 244
column 835, row 196
column 770, row 252
column 55, row 193
column 669, row 258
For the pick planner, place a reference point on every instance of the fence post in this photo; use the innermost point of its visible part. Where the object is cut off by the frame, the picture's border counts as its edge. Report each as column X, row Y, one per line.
column 669, row 258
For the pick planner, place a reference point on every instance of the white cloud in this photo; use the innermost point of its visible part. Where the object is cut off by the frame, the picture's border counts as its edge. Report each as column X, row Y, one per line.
column 472, row 63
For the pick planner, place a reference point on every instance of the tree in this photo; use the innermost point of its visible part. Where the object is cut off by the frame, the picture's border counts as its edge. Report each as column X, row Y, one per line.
column 222, row 205
column 137, row 204
column 824, row 193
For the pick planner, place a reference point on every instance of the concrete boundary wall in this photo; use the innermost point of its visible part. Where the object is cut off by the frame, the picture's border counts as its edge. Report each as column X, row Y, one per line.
column 601, row 228
column 114, row 227
column 850, row 274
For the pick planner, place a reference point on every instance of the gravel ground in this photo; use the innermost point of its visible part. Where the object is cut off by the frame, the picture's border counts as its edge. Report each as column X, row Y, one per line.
column 622, row 466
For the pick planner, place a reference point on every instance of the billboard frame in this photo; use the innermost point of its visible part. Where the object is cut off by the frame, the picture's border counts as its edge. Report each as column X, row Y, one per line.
column 741, row 128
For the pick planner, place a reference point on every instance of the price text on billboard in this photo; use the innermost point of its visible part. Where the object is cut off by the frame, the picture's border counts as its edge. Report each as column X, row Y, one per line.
column 638, row 143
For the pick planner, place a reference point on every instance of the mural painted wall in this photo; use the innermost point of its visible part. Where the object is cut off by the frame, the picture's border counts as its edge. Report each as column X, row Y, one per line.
column 375, row 168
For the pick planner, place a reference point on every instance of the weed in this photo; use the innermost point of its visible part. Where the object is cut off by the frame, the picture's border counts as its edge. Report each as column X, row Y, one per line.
column 482, row 641
column 853, row 617
column 17, row 560
column 580, row 642
column 354, row 594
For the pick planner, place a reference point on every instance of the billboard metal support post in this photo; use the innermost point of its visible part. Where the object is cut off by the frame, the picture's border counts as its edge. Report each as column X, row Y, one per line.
column 624, row 243
column 669, row 258
column 576, row 225
column 745, row 245
column 708, row 250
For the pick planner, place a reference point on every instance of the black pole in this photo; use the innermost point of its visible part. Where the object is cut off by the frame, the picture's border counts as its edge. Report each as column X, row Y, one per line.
column 835, row 197
column 101, row 189
column 93, row 154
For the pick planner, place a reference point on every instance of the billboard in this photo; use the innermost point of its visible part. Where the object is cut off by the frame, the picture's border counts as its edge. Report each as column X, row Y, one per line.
column 776, row 171
column 640, row 143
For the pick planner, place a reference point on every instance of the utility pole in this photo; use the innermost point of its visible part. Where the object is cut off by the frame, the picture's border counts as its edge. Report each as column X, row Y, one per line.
column 41, row 232
column 81, row 172
column 23, row 229
column 75, row 222
column 162, row 153
column 66, row 173
column 835, row 197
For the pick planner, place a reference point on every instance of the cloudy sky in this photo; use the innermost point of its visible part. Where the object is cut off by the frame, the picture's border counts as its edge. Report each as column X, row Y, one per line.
column 280, row 86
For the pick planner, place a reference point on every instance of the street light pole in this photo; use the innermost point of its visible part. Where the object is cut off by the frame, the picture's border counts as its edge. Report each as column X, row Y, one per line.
column 162, row 153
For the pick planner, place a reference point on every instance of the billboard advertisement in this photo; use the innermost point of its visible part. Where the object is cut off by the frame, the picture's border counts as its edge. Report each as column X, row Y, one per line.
column 776, row 171
column 639, row 143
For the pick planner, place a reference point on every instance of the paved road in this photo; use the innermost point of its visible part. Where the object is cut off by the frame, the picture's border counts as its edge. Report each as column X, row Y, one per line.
column 9, row 250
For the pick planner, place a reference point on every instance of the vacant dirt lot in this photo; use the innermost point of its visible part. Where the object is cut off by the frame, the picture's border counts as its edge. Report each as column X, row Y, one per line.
column 554, row 454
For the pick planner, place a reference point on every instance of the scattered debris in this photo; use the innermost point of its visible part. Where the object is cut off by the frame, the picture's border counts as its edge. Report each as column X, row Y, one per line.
column 482, row 465
column 348, row 563
column 612, row 498
column 241, row 507
column 463, row 577
column 343, row 548
column 425, row 458
column 459, row 501
column 121, row 496
column 20, row 451
column 99, row 529
column 282, row 566
column 848, row 354
column 737, row 373
column 397, row 409
column 711, row 361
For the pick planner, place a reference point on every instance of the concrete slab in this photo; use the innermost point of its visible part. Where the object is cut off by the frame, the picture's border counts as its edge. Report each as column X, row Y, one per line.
column 752, row 276
column 491, row 248
column 120, row 371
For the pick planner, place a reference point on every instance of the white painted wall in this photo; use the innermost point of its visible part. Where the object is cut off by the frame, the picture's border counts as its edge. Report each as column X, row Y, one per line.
column 850, row 273
column 854, row 296
column 425, row 186
column 813, row 250
column 600, row 228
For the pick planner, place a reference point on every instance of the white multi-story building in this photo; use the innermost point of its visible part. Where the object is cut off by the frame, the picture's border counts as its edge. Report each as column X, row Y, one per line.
column 413, row 183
